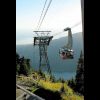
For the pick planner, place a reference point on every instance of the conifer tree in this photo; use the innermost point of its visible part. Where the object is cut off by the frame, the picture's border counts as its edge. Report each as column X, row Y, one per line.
column 79, row 80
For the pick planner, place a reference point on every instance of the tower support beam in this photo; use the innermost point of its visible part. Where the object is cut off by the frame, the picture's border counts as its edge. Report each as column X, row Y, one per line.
column 43, row 43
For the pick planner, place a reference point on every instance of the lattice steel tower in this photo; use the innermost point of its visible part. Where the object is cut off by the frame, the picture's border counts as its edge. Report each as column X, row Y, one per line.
column 43, row 40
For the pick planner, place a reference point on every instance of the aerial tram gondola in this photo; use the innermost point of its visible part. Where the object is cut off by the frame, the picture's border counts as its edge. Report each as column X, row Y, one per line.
column 66, row 52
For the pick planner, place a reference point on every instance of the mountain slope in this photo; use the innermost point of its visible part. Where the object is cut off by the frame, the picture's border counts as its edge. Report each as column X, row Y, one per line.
column 56, row 63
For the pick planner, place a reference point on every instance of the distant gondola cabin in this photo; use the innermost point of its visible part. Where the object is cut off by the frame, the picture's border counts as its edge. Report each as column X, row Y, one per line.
column 66, row 51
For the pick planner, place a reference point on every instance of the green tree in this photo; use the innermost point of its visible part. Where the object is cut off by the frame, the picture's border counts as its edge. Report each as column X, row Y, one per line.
column 77, row 84
column 72, row 83
column 17, row 58
column 52, row 78
column 62, row 89
column 80, row 75
column 22, row 65
column 28, row 63
column 24, row 68
column 17, row 69
column 17, row 63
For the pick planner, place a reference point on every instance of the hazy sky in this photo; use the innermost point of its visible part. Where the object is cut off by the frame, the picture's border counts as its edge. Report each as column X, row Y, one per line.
column 61, row 14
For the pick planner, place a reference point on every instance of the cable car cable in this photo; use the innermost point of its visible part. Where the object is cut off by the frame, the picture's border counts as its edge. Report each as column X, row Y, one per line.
column 63, row 31
column 45, row 14
column 42, row 13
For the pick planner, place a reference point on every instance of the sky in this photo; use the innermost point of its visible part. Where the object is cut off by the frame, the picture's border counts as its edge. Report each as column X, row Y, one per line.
column 61, row 14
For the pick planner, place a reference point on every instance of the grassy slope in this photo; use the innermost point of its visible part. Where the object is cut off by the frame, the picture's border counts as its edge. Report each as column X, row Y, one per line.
column 68, row 95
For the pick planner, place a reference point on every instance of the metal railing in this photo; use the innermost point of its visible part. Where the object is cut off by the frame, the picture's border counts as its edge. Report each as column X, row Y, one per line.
column 29, row 93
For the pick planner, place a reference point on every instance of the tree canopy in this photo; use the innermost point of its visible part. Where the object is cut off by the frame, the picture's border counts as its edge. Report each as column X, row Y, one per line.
column 22, row 65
